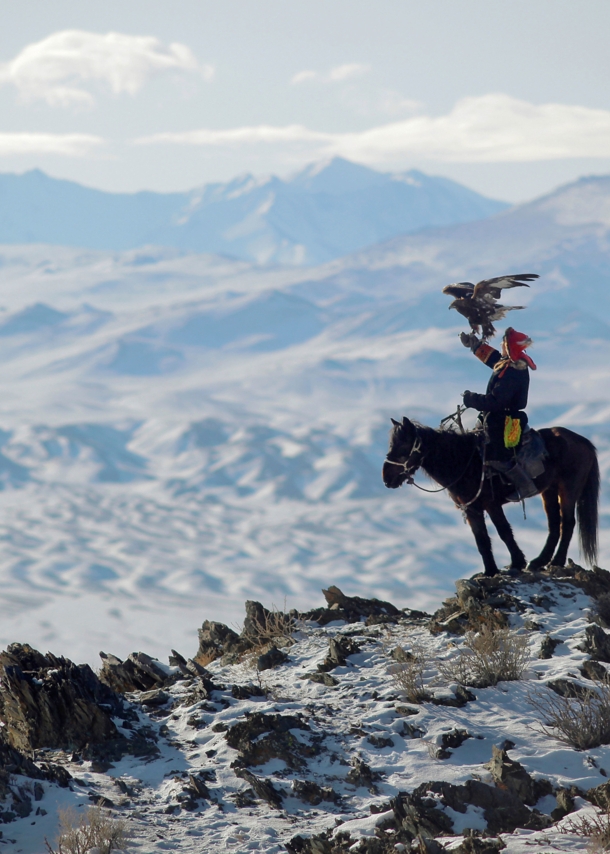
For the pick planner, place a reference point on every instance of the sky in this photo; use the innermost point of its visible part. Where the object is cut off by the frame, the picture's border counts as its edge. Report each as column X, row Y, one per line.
column 511, row 99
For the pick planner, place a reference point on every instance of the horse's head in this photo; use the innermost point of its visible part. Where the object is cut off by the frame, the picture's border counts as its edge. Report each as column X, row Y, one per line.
column 402, row 439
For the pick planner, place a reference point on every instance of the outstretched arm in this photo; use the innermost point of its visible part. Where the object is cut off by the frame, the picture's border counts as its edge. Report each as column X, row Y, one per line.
column 484, row 352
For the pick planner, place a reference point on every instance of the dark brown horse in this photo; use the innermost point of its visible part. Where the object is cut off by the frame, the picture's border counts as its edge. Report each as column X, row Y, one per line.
column 569, row 487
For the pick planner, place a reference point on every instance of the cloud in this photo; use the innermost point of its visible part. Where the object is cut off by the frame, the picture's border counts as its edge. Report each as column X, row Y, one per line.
column 67, row 144
column 55, row 68
column 493, row 128
column 338, row 74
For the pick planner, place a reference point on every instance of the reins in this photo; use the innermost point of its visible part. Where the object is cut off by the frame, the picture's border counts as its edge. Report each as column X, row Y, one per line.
column 410, row 468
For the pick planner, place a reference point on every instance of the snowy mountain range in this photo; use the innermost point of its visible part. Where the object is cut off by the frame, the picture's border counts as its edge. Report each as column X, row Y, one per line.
column 327, row 210
column 183, row 431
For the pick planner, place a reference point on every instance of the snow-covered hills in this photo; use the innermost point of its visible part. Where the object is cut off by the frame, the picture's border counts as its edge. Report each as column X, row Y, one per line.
column 181, row 431
column 325, row 211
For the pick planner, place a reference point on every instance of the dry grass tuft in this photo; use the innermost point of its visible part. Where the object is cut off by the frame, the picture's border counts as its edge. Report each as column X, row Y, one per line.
column 275, row 627
column 79, row 833
column 488, row 657
column 595, row 827
column 409, row 676
column 582, row 722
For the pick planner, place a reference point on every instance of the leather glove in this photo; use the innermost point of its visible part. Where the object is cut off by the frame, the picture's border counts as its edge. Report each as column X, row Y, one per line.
column 470, row 340
column 468, row 395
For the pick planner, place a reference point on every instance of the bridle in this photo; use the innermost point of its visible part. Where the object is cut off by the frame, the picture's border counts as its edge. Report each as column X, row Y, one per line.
column 410, row 469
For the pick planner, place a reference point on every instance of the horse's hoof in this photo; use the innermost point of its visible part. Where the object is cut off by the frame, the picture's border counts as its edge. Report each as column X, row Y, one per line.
column 534, row 566
column 489, row 573
column 514, row 570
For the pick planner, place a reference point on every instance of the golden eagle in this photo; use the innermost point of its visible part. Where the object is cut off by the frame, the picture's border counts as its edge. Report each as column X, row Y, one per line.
column 478, row 303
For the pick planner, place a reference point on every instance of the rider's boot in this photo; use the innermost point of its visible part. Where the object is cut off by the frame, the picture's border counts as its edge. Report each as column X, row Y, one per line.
column 520, row 479
column 524, row 485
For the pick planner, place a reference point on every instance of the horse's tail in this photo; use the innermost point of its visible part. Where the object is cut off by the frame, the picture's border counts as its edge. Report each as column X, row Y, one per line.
column 586, row 511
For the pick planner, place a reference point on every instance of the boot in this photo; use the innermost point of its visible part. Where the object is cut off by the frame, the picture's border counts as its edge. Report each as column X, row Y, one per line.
column 525, row 486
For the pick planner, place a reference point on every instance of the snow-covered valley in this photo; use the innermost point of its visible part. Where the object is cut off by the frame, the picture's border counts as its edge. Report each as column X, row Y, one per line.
column 182, row 432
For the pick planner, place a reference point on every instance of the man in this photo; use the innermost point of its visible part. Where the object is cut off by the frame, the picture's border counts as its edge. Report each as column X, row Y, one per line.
column 503, row 405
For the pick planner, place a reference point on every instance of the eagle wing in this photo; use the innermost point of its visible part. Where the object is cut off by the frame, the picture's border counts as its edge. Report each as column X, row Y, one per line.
column 461, row 290
column 491, row 289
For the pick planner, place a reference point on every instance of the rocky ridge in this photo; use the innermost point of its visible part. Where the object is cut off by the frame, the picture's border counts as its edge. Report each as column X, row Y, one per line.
column 317, row 733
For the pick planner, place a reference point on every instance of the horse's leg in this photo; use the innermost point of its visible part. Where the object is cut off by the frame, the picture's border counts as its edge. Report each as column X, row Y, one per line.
column 550, row 501
column 476, row 520
column 567, row 504
column 496, row 514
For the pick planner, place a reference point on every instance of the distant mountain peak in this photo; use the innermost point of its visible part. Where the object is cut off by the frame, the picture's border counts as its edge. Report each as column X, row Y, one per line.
column 330, row 208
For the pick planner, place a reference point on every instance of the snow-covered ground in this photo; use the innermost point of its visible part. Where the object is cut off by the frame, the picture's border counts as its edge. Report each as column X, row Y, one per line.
column 363, row 716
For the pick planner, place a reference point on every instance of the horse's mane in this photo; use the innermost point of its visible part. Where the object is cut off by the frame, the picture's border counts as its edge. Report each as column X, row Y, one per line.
column 452, row 447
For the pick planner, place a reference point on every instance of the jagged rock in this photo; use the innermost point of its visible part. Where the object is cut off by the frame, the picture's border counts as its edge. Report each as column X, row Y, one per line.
column 548, row 647
column 322, row 679
column 473, row 608
column 461, row 696
column 401, row 655
column 454, row 738
column 279, row 743
column 201, row 689
column 319, row 844
column 352, row 609
column 311, row 793
column 594, row 581
column 154, row 698
column 593, row 670
column 188, row 667
column 380, row 741
column 406, row 711
column 569, row 689
column 596, row 643
column 338, row 651
column 600, row 796
column 244, row 692
column 512, row 776
column 139, row 672
column 478, row 845
column 216, row 640
column 362, row 775
column 263, row 789
column 503, row 811
column 565, row 804
column 47, row 701
column 270, row 659
column 257, row 619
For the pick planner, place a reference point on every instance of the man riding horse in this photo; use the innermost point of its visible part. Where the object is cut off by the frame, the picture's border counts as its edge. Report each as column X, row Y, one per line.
column 501, row 408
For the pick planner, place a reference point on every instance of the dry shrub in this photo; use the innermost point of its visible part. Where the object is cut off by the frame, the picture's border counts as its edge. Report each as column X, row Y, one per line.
column 274, row 626
column 595, row 827
column 488, row 657
column 409, row 676
column 80, row 832
column 582, row 722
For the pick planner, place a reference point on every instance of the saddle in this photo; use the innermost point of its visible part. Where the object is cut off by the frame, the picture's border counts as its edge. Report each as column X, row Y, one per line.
column 532, row 453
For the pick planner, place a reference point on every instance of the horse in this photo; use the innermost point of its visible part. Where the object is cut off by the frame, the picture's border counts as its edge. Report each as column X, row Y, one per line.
column 569, row 487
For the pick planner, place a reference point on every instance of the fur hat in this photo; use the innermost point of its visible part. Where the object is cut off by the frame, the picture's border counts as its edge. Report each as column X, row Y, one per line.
column 516, row 344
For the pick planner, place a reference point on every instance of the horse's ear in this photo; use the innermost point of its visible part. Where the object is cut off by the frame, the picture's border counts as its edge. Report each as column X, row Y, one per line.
column 395, row 423
column 405, row 421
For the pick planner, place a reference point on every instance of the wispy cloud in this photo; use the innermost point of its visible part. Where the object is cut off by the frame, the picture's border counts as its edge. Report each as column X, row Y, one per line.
column 66, row 144
column 492, row 128
column 55, row 69
column 337, row 74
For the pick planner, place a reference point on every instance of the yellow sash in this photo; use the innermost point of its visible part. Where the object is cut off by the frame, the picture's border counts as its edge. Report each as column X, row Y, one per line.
column 512, row 432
